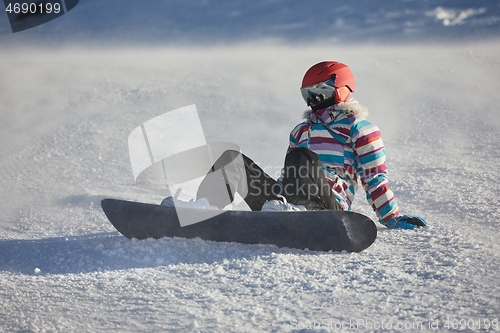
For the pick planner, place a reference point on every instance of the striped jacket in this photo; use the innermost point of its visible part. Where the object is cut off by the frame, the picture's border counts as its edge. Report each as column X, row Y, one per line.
column 349, row 147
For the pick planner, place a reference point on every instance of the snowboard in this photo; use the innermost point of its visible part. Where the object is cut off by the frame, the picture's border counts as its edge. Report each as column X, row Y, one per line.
column 335, row 231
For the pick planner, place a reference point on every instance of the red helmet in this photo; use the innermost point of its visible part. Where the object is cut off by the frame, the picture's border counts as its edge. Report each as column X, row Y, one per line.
column 324, row 79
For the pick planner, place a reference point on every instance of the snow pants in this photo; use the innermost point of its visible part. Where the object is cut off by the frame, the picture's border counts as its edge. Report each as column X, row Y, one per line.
column 303, row 182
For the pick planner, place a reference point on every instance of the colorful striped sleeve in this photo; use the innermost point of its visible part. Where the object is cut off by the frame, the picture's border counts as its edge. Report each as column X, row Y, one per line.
column 370, row 153
column 298, row 135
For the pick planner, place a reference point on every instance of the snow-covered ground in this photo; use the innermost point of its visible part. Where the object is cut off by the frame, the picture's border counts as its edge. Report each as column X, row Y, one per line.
column 67, row 108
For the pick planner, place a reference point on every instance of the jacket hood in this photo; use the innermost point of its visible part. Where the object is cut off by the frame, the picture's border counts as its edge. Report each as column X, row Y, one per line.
column 331, row 113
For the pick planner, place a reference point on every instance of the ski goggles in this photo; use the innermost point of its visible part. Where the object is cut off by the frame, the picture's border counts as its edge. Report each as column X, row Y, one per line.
column 319, row 92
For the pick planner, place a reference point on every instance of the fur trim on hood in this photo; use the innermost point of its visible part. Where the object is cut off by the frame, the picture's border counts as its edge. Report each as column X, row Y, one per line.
column 352, row 106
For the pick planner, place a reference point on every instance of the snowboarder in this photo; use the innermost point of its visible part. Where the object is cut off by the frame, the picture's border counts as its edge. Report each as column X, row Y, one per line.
column 333, row 149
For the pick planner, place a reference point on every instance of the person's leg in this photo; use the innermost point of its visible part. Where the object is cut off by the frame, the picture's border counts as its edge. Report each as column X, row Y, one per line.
column 304, row 182
column 235, row 173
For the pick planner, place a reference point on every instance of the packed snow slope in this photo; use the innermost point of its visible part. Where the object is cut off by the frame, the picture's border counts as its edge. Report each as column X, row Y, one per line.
column 67, row 106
